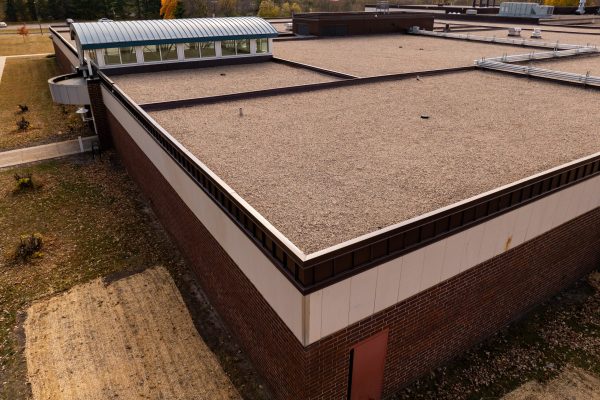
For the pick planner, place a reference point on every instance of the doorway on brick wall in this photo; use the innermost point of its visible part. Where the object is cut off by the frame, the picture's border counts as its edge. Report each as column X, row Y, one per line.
column 367, row 362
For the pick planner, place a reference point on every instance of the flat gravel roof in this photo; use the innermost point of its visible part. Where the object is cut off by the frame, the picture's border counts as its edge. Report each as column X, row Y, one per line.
column 388, row 54
column 212, row 81
column 330, row 165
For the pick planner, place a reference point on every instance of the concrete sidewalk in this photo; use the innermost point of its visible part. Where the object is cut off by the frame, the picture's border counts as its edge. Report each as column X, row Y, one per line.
column 2, row 63
column 47, row 151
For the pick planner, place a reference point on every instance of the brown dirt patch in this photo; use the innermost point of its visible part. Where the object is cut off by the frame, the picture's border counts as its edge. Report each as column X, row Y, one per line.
column 95, row 223
column 571, row 384
column 132, row 338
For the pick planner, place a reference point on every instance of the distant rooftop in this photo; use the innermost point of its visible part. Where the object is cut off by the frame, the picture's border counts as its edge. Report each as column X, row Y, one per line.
column 96, row 35
column 389, row 54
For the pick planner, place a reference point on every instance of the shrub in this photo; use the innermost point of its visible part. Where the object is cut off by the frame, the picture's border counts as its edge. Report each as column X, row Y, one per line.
column 29, row 247
column 23, row 31
column 23, row 124
column 24, row 108
column 24, row 182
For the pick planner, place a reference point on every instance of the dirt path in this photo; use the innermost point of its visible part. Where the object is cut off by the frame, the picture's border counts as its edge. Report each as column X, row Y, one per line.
column 129, row 339
column 571, row 384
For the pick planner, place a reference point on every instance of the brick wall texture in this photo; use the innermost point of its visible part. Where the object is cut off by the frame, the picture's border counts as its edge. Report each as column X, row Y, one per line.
column 100, row 114
column 424, row 331
column 64, row 65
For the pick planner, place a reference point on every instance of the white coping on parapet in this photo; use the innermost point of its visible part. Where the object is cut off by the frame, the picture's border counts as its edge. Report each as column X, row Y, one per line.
column 340, row 305
column 30, row 55
column 58, row 41
column 275, row 288
column 46, row 151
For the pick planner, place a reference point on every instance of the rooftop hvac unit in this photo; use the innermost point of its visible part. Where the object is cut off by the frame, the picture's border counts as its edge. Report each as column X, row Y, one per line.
column 514, row 31
column 525, row 10
column 383, row 6
column 536, row 34
column 289, row 26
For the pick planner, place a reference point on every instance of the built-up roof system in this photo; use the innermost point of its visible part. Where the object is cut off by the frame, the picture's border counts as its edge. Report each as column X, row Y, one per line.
column 97, row 35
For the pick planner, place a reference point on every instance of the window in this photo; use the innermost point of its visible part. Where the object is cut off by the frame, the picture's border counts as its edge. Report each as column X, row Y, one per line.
column 128, row 55
column 151, row 53
column 228, row 48
column 207, row 49
column 112, row 56
column 168, row 51
column 262, row 45
column 191, row 50
column 243, row 46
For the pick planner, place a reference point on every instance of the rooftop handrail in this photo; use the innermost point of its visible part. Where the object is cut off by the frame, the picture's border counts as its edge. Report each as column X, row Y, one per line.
column 517, row 42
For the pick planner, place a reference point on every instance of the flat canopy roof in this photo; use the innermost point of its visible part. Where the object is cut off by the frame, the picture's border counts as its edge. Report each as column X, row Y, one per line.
column 330, row 165
column 96, row 35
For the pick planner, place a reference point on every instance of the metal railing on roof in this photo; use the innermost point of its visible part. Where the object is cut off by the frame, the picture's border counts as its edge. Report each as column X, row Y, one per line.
column 586, row 80
column 502, row 40
column 543, row 55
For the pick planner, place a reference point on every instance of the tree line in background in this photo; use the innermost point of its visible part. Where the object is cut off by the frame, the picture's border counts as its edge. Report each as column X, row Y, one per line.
column 55, row 10
column 59, row 10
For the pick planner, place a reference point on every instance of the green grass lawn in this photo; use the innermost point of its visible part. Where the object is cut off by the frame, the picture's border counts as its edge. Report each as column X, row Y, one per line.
column 93, row 223
column 13, row 44
column 25, row 81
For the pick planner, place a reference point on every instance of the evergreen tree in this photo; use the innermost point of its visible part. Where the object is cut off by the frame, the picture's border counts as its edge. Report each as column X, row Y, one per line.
column 179, row 10
column 10, row 10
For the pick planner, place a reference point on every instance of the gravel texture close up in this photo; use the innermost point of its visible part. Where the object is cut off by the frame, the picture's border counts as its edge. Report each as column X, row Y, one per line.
column 327, row 166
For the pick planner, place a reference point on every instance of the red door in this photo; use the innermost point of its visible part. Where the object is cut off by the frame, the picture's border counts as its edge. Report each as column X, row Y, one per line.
column 366, row 369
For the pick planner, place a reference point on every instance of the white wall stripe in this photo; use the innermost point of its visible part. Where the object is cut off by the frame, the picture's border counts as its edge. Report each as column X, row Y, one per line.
column 283, row 297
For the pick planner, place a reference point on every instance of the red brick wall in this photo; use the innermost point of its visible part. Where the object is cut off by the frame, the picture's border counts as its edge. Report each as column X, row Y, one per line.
column 99, row 112
column 64, row 65
column 426, row 330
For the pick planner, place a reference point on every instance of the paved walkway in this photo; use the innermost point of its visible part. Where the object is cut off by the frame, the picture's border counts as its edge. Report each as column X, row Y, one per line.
column 47, row 151
column 2, row 62
column 31, row 55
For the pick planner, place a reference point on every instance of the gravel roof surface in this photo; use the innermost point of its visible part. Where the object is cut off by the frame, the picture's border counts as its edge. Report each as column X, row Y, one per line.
column 579, row 65
column 213, row 81
column 388, row 54
column 327, row 166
